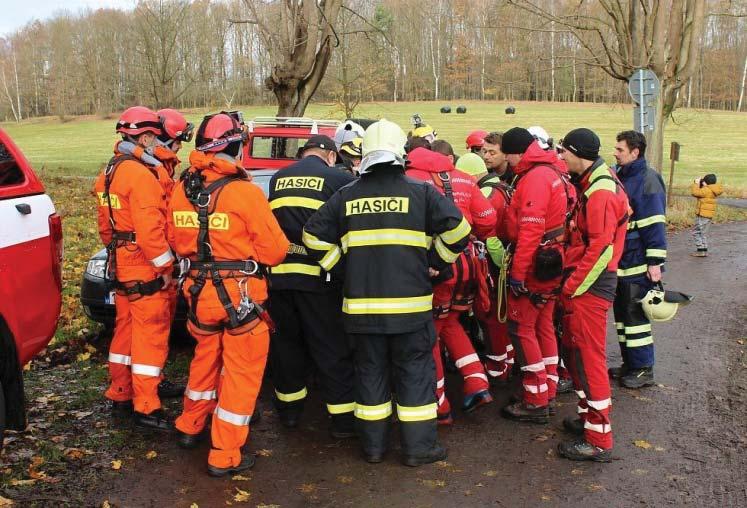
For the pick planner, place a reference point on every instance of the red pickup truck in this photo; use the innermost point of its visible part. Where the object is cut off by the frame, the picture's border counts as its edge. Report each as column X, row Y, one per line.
column 30, row 276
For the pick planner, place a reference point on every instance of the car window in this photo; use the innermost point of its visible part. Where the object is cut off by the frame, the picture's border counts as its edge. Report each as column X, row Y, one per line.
column 10, row 173
column 270, row 147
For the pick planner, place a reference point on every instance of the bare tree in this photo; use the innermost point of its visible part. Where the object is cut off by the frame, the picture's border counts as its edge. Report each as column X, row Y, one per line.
column 299, row 36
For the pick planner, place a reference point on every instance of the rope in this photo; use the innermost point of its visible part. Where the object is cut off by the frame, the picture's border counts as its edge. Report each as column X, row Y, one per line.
column 503, row 288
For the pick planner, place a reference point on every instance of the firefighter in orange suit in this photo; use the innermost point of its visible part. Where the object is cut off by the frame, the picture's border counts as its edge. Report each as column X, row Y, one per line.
column 132, row 219
column 224, row 230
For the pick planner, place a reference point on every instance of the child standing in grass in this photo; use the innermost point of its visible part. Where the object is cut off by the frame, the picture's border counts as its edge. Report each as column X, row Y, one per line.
column 707, row 191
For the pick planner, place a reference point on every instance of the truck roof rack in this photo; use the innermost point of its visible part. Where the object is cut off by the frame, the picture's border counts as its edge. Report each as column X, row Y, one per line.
column 290, row 121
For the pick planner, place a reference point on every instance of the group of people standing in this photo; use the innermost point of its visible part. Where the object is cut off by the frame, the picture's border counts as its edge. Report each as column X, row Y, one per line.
column 364, row 265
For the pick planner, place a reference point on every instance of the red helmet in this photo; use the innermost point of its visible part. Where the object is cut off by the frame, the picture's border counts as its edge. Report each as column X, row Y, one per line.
column 175, row 126
column 476, row 139
column 216, row 132
column 137, row 120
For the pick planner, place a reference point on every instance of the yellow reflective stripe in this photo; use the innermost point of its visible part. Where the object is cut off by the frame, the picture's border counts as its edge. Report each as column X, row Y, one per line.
column 603, row 184
column 452, row 236
column 630, row 330
column 338, row 409
column 633, row 270
column 656, row 253
column 373, row 413
column 416, row 413
column 387, row 305
column 486, row 191
column 331, row 258
column 645, row 341
column 313, row 242
column 290, row 397
column 389, row 236
column 642, row 223
column 621, row 339
column 296, row 201
column 619, row 326
column 444, row 252
column 293, row 268
column 596, row 270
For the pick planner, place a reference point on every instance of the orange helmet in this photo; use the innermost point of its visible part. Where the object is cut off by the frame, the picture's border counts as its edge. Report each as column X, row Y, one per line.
column 218, row 131
column 476, row 139
column 138, row 120
column 175, row 126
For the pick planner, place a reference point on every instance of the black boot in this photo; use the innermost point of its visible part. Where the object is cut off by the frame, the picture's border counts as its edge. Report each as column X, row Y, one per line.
column 522, row 412
column 581, row 450
column 247, row 462
column 373, row 457
column 122, row 409
column 638, row 378
column 617, row 372
column 289, row 417
column 343, row 426
column 551, row 410
column 157, row 420
column 189, row 441
column 435, row 454
column 169, row 390
column 574, row 425
column 565, row 385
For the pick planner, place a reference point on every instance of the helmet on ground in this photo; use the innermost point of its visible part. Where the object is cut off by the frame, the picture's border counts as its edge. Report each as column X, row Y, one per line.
column 660, row 305
column 383, row 142
column 217, row 132
column 352, row 148
column 543, row 138
column 175, row 126
column 424, row 131
column 347, row 131
column 476, row 139
column 472, row 164
column 138, row 120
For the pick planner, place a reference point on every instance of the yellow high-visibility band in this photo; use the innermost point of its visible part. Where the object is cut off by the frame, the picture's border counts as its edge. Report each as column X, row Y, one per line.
column 387, row 305
column 296, row 201
column 295, row 268
column 291, row 397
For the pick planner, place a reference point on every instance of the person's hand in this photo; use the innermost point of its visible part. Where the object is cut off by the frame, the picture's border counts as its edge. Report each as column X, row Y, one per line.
column 432, row 272
column 517, row 287
column 168, row 281
column 654, row 273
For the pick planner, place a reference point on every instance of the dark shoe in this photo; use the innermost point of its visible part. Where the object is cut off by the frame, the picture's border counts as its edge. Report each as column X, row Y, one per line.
column 581, row 450
column 169, row 390
column 523, row 412
column 551, row 410
column 289, row 418
column 247, row 462
column 565, row 385
column 435, row 454
column 373, row 458
column 122, row 409
column 700, row 253
column 189, row 441
column 475, row 400
column 574, row 425
column 445, row 419
column 638, row 378
column 343, row 428
column 617, row 372
column 157, row 420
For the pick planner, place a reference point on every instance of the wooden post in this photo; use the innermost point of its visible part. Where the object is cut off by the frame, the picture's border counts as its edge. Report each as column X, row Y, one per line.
column 674, row 156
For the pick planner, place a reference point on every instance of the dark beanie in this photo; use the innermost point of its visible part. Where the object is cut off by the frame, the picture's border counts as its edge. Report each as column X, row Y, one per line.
column 516, row 140
column 582, row 143
column 709, row 179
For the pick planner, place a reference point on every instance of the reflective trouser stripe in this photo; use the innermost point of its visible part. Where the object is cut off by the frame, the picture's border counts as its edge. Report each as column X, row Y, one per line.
column 373, row 413
column 633, row 270
column 551, row 377
column 630, row 330
column 441, row 399
column 195, row 395
column 498, row 358
column 466, row 360
column 510, row 347
column 234, row 418
column 550, row 360
column 582, row 410
column 599, row 405
column 534, row 389
column 534, row 367
column 620, row 331
column 581, row 394
column 440, row 383
column 121, row 359
column 645, row 341
column 338, row 409
column 479, row 375
column 291, row 397
column 416, row 413
column 146, row 370
column 602, row 428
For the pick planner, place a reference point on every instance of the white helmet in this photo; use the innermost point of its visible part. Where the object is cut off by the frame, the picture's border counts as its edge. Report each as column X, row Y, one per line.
column 383, row 141
column 347, row 131
column 660, row 305
column 543, row 138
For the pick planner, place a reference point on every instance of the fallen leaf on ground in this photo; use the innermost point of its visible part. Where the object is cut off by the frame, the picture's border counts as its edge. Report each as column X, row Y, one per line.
column 5, row 501
column 194, row 505
column 241, row 496
column 595, row 487
column 345, row 479
column 57, row 439
column 658, row 448
column 642, row 443
column 74, row 453
column 82, row 414
column 90, row 348
column 264, row 453
column 545, row 497
column 639, row 472
column 239, row 478
column 36, row 461
column 490, row 473
column 37, row 475
column 307, row 488
column 577, row 471
column 82, row 357
column 433, row 483
column 262, row 505
column 20, row 483
column 740, row 342
column 151, row 455
column 116, row 465
column 106, row 504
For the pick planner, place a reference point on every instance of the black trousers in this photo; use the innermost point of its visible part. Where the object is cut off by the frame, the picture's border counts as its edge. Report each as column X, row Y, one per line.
column 309, row 334
column 634, row 332
column 408, row 359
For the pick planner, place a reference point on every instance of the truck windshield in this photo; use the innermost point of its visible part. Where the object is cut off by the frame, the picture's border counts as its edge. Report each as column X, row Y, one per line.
column 276, row 147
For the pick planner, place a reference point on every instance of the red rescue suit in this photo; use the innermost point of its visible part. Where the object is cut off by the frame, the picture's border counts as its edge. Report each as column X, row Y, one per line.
column 455, row 295
column 536, row 218
column 596, row 243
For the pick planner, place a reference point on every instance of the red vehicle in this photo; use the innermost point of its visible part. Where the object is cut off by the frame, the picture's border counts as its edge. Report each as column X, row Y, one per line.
column 274, row 141
column 30, row 276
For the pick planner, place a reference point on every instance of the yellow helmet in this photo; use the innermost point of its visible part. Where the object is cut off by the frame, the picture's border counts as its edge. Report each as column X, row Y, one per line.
column 383, row 142
column 472, row 164
column 424, row 131
column 352, row 147
column 660, row 305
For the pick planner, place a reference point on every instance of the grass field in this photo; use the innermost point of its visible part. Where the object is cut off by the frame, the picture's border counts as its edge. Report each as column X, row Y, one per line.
column 712, row 140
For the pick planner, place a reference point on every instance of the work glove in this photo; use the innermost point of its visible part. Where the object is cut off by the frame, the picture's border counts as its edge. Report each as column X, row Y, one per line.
column 517, row 287
column 495, row 250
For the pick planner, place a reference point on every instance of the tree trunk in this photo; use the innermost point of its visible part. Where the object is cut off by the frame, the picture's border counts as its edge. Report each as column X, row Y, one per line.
column 655, row 139
column 741, row 89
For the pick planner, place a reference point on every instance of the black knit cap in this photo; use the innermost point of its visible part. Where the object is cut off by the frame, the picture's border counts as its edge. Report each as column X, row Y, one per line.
column 516, row 140
column 582, row 143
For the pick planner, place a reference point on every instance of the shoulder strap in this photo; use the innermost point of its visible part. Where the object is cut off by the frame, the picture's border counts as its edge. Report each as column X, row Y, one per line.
column 443, row 180
column 201, row 198
column 500, row 186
